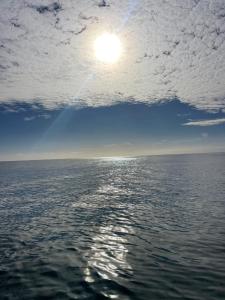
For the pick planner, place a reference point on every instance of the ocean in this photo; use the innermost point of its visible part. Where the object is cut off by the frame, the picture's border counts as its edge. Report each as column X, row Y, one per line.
column 113, row 228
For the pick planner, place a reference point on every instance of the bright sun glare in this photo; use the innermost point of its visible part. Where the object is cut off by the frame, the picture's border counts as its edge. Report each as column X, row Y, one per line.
column 107, row 48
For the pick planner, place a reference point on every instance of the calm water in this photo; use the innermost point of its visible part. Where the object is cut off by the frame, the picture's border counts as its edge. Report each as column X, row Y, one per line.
column 146, row 228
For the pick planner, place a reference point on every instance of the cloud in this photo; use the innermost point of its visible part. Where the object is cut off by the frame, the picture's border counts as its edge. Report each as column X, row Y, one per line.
column 205, row 122
column 171, row 49
column 45, row 116
column 205, row 135
column 31, row 118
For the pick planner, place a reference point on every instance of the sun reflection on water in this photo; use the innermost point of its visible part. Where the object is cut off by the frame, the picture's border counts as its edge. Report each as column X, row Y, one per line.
column 106, row 260
column 117, row 158
column 108, row 256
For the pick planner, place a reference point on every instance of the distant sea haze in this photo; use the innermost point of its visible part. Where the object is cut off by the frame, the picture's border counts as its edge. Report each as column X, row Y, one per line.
column 142, row 228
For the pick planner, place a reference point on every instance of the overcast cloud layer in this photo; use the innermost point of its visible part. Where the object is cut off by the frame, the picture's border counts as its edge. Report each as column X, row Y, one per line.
column 171, row 49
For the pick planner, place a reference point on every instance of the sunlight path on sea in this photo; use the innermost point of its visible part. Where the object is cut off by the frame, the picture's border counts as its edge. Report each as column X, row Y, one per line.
column 106, row 262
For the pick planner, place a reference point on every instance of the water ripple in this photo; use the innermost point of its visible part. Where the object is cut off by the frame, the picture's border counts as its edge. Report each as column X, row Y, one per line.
column 147, row 228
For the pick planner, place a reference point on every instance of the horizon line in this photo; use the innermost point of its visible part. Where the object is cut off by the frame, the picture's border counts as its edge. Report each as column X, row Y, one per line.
column 116, row 156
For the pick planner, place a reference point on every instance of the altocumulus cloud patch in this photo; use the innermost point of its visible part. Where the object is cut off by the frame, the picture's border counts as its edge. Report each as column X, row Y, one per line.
column 171, row 49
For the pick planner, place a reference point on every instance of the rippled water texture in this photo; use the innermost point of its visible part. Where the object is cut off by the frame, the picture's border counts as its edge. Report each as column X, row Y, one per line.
column 146, row 228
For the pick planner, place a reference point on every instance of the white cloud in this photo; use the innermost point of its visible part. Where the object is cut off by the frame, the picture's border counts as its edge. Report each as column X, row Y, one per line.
column 171, row 48
column 205, row 135
column 44, row 116
column 31, row 118
column 205, row 122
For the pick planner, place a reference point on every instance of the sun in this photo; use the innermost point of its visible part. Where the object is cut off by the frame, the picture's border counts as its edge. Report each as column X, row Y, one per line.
column 108, row 48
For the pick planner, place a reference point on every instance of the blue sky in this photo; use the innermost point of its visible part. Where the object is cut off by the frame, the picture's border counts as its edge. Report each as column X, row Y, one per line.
column 32, row 131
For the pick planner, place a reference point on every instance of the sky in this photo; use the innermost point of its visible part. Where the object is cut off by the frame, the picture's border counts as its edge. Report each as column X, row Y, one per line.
column 166, row 94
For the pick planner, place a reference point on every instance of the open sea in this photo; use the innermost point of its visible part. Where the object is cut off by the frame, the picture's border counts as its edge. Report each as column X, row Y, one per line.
column 142, row 228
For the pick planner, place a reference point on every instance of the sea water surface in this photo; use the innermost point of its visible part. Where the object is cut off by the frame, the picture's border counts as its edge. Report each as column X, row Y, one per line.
column 141, row 228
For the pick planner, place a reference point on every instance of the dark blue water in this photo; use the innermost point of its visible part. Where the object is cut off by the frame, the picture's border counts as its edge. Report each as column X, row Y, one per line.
column 146, row 228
